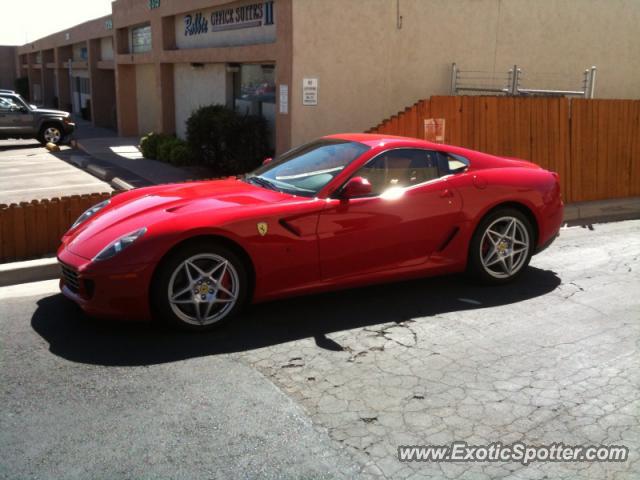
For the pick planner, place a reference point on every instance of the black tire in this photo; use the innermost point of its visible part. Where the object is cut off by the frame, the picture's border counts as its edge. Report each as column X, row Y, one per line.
column 171, row 272
column 477, row 248
column 43, row 133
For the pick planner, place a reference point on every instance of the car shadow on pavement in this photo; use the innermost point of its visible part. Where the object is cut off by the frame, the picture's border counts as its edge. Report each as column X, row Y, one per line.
column 76, row 337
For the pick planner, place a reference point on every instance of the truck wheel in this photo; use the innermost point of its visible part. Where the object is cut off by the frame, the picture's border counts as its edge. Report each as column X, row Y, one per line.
column 50, row 133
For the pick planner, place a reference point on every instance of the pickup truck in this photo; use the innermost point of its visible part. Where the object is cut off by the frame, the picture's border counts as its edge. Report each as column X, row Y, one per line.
column 18, row 119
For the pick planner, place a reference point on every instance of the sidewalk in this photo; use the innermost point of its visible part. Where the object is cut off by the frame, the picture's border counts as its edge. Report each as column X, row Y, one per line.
column 118, row 160
column 598, row 211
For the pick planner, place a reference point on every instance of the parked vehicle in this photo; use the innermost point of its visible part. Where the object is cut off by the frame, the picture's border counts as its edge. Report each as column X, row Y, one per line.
column 18, row 119
column 343, row 211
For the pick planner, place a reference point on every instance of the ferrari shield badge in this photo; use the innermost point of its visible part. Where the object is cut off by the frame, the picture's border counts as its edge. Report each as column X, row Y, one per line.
column 263, row 228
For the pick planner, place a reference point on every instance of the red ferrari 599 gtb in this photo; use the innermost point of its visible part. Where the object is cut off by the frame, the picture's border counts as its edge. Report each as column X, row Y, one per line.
column 342, row 211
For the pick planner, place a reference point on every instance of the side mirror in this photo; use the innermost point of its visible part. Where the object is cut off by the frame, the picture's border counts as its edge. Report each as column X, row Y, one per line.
column 267, row 160
column 357, row 187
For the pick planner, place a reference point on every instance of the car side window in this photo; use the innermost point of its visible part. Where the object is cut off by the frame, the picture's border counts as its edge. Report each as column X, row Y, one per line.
column 455, row 163
column 7, row 104
column 400, row 168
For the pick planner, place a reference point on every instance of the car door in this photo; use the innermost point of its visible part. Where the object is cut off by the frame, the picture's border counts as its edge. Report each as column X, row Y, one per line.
column 411, row 212
column 6, row 122
column 15, row 117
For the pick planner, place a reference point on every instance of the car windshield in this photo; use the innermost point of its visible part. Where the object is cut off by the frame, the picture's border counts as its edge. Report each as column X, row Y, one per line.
column 307, row 169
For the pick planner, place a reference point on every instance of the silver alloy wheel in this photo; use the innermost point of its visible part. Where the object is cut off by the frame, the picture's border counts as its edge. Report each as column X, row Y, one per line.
column 504, row 247
column 203, row 289
column 52, row 134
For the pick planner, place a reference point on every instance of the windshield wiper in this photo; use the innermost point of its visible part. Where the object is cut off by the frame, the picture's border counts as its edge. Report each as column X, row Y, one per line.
column 263, row 182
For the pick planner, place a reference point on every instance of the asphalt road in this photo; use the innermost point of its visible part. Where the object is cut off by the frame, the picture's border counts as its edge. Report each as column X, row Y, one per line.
column 332, row 384
column 28, row 171
column 207, row 416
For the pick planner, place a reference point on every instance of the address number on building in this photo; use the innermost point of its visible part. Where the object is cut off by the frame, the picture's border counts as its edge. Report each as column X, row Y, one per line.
column 310, row 91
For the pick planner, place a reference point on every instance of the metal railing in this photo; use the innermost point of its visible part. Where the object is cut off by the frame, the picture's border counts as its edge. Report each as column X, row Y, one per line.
column 477, row 81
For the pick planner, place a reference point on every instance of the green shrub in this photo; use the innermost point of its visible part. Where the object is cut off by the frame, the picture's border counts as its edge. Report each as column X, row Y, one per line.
column 227, row 141
column 165, row 147
column 180, row 154
column 149, row 144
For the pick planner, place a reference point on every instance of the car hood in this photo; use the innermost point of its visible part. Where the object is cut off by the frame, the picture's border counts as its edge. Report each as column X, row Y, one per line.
column 46, row 111
column 194, row 203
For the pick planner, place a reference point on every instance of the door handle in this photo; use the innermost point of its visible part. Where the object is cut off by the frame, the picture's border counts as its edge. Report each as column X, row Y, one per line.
column 446, row 193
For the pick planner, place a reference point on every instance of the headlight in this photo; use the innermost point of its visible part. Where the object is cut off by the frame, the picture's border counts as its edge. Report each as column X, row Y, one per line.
column 116, row 247
column 90, row 213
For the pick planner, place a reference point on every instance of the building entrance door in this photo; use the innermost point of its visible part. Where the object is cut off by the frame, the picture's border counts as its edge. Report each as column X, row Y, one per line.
column 254, row 93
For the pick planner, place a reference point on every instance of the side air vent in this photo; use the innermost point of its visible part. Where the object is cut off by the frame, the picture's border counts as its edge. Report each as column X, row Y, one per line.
column 450, row 237
column 290, row 228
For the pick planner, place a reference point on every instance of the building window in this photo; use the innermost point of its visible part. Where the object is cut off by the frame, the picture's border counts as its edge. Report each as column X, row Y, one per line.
column 85, row 87
column 141, row 39
column 254, row 93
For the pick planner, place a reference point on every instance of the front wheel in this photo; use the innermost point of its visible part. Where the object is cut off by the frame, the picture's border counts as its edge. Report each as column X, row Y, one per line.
column 501, row 247
column 199, row 287
column 50, row 134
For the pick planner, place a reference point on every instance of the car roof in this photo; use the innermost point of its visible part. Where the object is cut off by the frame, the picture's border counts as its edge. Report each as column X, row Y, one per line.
column 382, row 142
column 376, row 139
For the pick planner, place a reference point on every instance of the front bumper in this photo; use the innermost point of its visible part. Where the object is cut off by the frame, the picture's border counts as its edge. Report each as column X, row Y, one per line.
column 68, row 128
column 106, row 291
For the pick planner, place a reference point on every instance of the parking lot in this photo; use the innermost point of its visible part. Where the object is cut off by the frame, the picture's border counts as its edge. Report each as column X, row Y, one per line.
column 329, row 386
column 28, row 171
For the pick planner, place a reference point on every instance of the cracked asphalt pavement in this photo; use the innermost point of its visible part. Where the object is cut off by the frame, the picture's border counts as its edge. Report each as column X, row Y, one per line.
column 550, row 358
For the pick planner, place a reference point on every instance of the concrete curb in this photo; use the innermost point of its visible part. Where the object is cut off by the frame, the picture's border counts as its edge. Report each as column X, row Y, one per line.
column 120, row 184
column 79, row 161
column 100, row 172
column 29, row 271
column 601, row 211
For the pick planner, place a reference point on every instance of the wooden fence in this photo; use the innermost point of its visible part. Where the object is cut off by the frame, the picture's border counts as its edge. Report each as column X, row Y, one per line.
column 593, row 144
column 32, row 229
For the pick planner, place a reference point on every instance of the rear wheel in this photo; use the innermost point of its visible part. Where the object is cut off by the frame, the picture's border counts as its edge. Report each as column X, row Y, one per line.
column 50, row 133
column 199, row 287
column 501, row 247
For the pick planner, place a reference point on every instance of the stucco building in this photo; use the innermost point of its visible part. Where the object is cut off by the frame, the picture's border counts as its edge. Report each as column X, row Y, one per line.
column 7, row 67
column 313, row 67
column 74, row 70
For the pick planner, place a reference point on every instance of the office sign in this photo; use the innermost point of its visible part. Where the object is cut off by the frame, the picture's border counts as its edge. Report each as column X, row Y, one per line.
column 241, row 23
column 310, row 91
column 284, row 99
